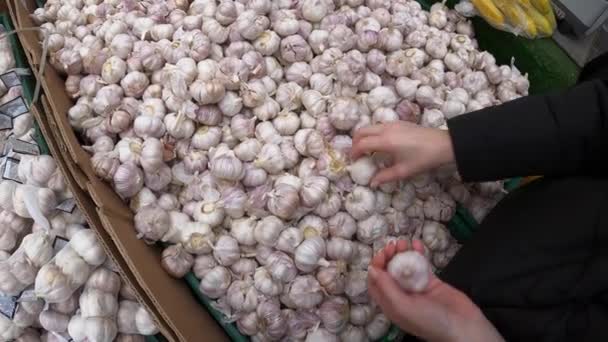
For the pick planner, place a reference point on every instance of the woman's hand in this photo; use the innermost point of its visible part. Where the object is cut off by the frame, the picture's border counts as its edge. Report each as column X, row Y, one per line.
column 413, row 149
column 440, row 313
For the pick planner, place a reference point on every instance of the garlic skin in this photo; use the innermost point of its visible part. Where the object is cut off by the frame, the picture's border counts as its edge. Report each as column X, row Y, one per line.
column 435, row 236
column 226, row 250
column 215, row 283
column 410, row 270
column 378, row 327
column 267, row 230
column 281, row 267
column 334, row 313
column 310, row 254
column 360, row 203
column 176, row 261
column 289, row 239
column 305, row 292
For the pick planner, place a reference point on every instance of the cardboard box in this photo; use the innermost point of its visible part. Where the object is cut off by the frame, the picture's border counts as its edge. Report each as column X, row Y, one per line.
column 170, row 301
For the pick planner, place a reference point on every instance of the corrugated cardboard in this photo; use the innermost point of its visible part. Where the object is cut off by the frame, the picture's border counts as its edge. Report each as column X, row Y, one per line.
column 173, row 306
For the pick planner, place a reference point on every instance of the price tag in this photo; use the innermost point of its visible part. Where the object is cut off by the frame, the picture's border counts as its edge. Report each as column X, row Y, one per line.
column 28, row 295
column 59, row 243
column 5, row 122
column 23, row 147
column 10, row 169
column 8, row 306
column 14, row 107
column 10, row 79
column 67, row 206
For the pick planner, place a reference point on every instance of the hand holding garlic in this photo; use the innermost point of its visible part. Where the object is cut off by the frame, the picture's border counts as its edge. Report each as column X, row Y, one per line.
column 413, row 149
column 401, row 282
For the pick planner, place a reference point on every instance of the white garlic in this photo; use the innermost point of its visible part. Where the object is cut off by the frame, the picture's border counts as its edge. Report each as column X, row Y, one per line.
column 310, row 253
column 215, row 283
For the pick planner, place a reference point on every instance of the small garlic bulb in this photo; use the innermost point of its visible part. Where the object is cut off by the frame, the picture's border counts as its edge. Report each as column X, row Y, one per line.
column 360, row 203
column 410, row 270
column 283, row 201
column 216, row 282
column 226, row 250
column 289, row 239
column 225, row 165
column 313, row 191
column 435, row 236
column 356, row 286
column 128, row 180
column 372, row 228
column 305, row 292
column 333, row 278
column 342, row 225
column 267, row 230
column 176, row 261
column 378, row 327
column 334, row 313
column 281, row 267
column 310, row 254
column 242, row 296
column 361, row 314
column 270, row 159
column 266, row 284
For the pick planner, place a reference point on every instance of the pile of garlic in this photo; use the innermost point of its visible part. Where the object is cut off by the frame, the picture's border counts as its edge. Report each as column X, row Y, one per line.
column 227, row 128
column 47, row 278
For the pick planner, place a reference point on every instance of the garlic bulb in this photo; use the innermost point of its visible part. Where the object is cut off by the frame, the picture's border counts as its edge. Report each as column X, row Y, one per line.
column 215, row 283
column 310, row 254
column 176, row 261
column 361, row 314
column 333, row 277
column 305, row 292
column 242, row 296
column 353, row 333
column 267, row 230
column 435, row 236
column 313, row 191
column 265, row 283
column 132, row 318
column 356, row 286
column 321, row 334
column 372, row 228
column 289, row 239
column 334, row 313
column 281, row 267
column 410, row 270
column 360, row 203
column 378, row 327
column 226, row 250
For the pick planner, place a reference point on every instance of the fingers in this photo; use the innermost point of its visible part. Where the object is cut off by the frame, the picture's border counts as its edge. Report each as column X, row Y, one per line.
column 402, row 246
column 389, row 250
column 418, row 246
column 379, row 260
column 368, row 131
column 387, row 294
column 368, row 145
column 389, row 174
column 386, row 254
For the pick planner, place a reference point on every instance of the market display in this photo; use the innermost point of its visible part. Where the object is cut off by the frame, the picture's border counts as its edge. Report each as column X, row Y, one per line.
column 226, row 126
column 56, row 283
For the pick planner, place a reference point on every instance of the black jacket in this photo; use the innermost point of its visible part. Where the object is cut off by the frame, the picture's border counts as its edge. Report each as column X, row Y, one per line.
column 538, row 266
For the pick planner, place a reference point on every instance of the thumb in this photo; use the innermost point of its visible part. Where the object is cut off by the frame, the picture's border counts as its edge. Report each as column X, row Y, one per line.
column 387, row 293
column 395, row 172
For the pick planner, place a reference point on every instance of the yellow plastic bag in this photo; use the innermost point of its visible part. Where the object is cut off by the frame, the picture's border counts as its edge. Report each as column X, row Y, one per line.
column 528, row 18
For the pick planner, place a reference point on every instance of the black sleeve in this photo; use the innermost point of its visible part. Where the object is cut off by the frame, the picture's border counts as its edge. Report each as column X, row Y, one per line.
column 552, row 135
